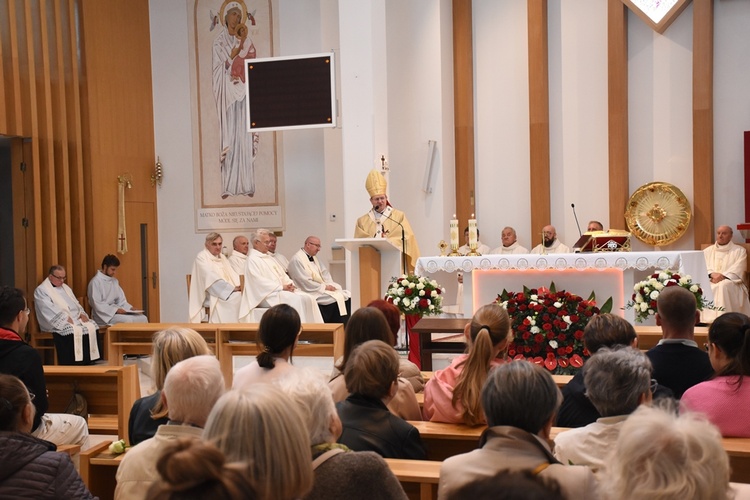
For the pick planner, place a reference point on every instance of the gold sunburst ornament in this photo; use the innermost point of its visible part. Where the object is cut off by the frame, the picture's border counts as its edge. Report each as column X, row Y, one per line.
column 658, row 213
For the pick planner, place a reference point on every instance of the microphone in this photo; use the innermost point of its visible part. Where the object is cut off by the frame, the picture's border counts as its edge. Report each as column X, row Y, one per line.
column 403, row 238
column 573, row 206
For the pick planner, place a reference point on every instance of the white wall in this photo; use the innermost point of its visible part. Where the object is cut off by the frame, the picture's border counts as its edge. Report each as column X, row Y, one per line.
column 395, row 90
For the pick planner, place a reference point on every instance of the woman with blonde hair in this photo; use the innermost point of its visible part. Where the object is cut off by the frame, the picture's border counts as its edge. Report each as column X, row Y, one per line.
column 278, row 331
column 453, row 395
column 260, row 425
column 369, row 323
column 170, row 346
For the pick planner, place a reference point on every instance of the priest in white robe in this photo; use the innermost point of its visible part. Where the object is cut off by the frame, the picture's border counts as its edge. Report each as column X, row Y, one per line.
column 311, row 276
column 384, row 221
column 107, row 299
column 464, row 249
column 238, row 257
column 726, row 264
column 550, row 244
column 214, row 285
column 59, row 312
column 280, row 258
column 267, row 284
column 510, row 243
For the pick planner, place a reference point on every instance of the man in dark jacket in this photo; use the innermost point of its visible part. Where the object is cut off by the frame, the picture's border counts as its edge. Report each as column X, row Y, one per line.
column 20, row 359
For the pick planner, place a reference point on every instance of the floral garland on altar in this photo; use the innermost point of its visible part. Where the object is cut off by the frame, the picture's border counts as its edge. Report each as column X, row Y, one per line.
column 548, row 326
column 646, row 293
column 418, row 295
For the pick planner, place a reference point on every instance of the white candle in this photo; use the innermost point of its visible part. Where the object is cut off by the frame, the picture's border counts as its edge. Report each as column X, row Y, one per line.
column 454, row 233
column 472, row 232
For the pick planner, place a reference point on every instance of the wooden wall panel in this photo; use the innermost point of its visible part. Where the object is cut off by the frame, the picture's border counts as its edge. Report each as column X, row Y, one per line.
column 539, row 142
column 69, row 189
column 463, row 89
column 617, row 75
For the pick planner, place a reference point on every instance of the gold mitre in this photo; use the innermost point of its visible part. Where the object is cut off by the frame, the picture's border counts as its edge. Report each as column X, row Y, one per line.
column 375, row 183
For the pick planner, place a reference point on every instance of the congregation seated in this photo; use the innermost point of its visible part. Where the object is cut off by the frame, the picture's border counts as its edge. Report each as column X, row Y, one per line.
column 725, row 399
column 371, row 376
column 677, row 360
column 519, row 400
column 278, row 331
column 31, row 468
column 169, row 347
column 340, row 473
column 452, row 395
column 407, row 370
column 19, row 359
column 191, row 468
column 602, row 330
column 665, row 456
column 368, row 323
column 510, row 485
column 617, row 381
column 261, row 427
column 190, row 391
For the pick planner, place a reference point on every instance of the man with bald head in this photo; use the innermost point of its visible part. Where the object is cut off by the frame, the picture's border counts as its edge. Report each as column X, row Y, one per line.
column 726, row 264
column 238, row 258
column 510, row 243
column 550, row 243
column 310, row 275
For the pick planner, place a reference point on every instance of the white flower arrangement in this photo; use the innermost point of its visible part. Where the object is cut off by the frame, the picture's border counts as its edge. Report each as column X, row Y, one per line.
column 415, row 295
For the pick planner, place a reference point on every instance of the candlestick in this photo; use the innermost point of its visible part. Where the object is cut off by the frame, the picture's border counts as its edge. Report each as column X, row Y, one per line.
column 454, row 235
column 473, row 236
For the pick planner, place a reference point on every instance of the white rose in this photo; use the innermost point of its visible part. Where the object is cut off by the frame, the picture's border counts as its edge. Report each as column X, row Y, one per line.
column 407, row 302
column 651, row 312
column 534, row 297
column 658, row 286
column 654, row 295
column 638, row 298
column 420, row 286
column 684, row 280
column 567, row 320
column 663, row 276
column 433, row 293
column 535, row 329
column 644, row 306
column 432, row 308
column 553, row 344
column 636, row 287
column 421, row 293
column 532, row 321
column 412, row 285
column 694, row 288
column 396, row 301
column 557, row 305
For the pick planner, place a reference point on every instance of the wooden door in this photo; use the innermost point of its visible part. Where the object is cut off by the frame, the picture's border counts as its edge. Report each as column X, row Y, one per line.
column 139, row 270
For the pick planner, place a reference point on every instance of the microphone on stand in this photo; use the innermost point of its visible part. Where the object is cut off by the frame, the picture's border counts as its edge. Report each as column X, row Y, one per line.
column 403, row 238
column 573, row 206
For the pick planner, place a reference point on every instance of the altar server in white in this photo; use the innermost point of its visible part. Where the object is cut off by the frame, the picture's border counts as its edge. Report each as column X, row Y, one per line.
column 58, row 311
column 106, row 298
column 550, row 243
column 267, row 284
column 510, row 243
column 214, row 284
column 238, row 257
column 311, row 276
column 464, row 249
column 726, row 264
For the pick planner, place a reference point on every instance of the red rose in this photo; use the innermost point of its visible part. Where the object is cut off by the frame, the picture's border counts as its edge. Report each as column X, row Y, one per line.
column 588, row 313
column 550, row 335
column 538, row 338
column 671, row 283
column 568, row 350
column 652, row 304
column 676, row 277
column 526, row 335
column 408, row 291
column 526, row 349
column 511, row 310
column 538, row 308
column 700, row 291
column 423, row 304
column 574, row 318
column 561, row 337
column 522, row 328
column 520, row 296
column 655, row 275
column 522, row 307
column 578, row 334
column 561, row 312
column 633, row 298
column 547, row 327
column 552, row 310
column 586, row 352
column 561, row 351
column 511, row 352
column 536, row 348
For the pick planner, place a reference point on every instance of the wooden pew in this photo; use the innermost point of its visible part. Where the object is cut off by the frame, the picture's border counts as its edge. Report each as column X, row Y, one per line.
column 738, row 450
column 649, row 336
column 445, row 440
column 419, row 478
column 109, row 391
column 239, row 339
column 98, row 470
column 135, row 338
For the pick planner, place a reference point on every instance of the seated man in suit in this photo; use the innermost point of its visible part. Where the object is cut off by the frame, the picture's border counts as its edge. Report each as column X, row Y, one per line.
column 58, row 311
column 726, row 264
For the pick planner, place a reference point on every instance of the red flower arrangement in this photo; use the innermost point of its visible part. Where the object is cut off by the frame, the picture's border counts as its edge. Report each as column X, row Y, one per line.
column 548, row 326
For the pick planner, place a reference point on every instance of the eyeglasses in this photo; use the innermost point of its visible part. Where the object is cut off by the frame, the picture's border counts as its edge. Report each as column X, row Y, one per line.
column 27, row 310
column 61, row 278
column 707, row 346
column 31, row 396
column 654, row 385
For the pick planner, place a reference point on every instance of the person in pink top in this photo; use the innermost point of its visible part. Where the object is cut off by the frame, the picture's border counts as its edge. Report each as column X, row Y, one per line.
column 453, row 395
column 725, row 399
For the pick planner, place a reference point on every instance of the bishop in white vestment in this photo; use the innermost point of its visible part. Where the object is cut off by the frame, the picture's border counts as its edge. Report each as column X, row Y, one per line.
column 214, row 285
column 726, row 264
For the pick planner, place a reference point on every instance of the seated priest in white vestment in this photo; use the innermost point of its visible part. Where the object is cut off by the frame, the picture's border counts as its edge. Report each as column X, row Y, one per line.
column 726, row 264
column 465, row 248
column 510, row 243
column 550, row 243
column 214, row 285
column 280, row 258
column 106, row 298
column 311, row 276
column 384, row 221
column 238, row 257
column 267, row 284
column 59, row 312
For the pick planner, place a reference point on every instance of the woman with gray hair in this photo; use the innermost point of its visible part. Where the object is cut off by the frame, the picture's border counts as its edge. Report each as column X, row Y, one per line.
column 618, row 380
column 339, row 471
column 520, row 400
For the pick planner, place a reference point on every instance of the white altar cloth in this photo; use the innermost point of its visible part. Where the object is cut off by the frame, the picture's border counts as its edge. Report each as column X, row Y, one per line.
column 607, row 274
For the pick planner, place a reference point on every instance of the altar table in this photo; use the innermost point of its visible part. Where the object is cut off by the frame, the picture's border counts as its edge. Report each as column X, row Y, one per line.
column 607, row 274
